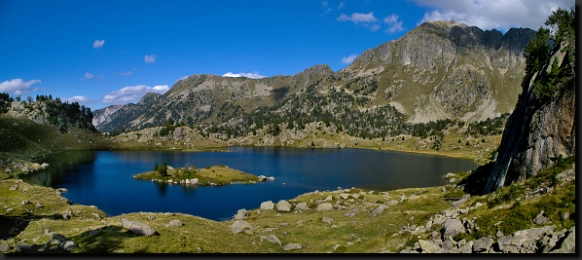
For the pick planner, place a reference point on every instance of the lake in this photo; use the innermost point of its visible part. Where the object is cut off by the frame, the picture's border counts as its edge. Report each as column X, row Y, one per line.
column 105, row 178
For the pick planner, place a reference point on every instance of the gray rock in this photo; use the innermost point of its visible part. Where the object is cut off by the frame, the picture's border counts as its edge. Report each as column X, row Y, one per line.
column 283, row 206
column 4, row 247
column 329, row 198
column 482, row 244
column 137, row 228
column 13, row 187
column 377, row 211
column 568, row 245
column 267, row 205
column 327, row 220
column 25, row 202
column 240, row 214
column 428, row 246
column 22, row 247
column 240, row 225
column 452, row 228
column 344, row 196
column 58, row 237
column 174, row 223
column 292, row 246
column 68, row 245
column 324, row 207
column 402, row 198
column 391, row 203
column 352, row 212
column 302, row 206
column 271, row 238
column 541, row 219
column 38, row 205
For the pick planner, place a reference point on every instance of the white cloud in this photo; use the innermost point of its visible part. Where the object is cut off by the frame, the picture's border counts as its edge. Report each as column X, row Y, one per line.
column 98, row 44
column 367, row 20
column 150, row 58
column 326, row 8
column 349, row 59
column 493, row 14
column 80, row 99
column 341, row 4
column 88, row 75
column 17, row 86
column 126, row 73
column 254, row 75
column 393, row 24
column 132, row 94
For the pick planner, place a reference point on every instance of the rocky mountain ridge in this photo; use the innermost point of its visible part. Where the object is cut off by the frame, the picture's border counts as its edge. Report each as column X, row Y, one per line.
column 439, row 70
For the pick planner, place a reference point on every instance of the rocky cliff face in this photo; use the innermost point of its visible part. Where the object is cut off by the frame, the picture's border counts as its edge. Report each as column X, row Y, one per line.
column 537, row 133
column 439, row 70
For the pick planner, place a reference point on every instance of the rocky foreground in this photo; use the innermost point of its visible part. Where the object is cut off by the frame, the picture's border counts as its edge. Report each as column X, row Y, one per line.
column 419, row 220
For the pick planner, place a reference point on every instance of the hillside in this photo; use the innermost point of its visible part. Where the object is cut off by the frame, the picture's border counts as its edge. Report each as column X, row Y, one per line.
column 437, row 71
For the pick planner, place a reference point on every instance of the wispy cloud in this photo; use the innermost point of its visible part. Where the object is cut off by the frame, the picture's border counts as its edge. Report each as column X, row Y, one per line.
column 393, row 24
column 254, row 75
column 126, row 73
column 88, row 75
column 98, row 44
column 367, row 20
column 326, row 7
column 150, row 58
column 18, row 86
column 341, row 4
column 79, row 99
column 493, row 14
column 132, row 94
column 349, row 59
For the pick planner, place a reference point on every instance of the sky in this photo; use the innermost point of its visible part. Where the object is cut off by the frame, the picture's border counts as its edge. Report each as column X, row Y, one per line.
column 101, row 53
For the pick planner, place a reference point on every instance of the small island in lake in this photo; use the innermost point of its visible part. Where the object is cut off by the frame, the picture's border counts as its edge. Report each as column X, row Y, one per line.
column 209, row 176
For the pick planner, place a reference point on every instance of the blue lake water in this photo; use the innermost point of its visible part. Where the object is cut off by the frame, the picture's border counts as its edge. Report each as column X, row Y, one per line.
column 105, row 178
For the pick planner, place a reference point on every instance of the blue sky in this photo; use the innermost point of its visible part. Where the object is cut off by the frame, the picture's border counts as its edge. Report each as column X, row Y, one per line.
column 112, row 52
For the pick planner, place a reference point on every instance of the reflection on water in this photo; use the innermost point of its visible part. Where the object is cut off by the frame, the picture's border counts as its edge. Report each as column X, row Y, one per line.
column 60, row 164
column 105, row 178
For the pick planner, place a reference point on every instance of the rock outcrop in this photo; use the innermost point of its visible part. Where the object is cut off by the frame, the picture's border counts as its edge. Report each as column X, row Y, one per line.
column 538, row 132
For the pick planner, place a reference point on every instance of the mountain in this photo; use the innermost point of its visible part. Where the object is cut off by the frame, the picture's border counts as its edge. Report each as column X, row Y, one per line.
column 437, row 71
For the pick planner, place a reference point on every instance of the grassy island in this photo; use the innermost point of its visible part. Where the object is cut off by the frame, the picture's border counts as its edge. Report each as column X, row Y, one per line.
column 209, row 176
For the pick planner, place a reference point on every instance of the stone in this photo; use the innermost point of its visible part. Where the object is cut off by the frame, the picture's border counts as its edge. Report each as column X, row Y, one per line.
column 327, row 220
column 271, row 238
column 240, row 214
column 302, row 206
column 195, row 181
column 283, row 206
column 452, row 228
column 240, row 225
column 482, row 244
column 568, row 245
column 267, row 205
column 137, row 228
column 4, row 247
column 38, row 205
column 292, row 246
column 344, row 196
column 391, row 203
column 428, row 246
column 68, row 245
column 467, row 248
column 352, row 212
column 22, row 247
column 541, row 219
column 13, row 187
column 174, row 223
column 329, row 198
column 402, row 198
column 95, row 215
column 25, row 202
column 377, row 211
column 324, row 207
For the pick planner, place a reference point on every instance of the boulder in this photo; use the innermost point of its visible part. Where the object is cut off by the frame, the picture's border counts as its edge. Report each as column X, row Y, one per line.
column 283, row 206
column 327, row 220
column 195, row 181
column 324, row 207
column 240, row 214
column 25, row 202
column 68, row 245
column 174, row 223
column 452, row 228
column 402, row 198
column 137, row 228
column 344, row 196
column 267, row 205
column 377, row 211
column 38, row 205
column 568, row 245
column 302, row 206
column 240, row 225
column 329, row 198
column 292, row 246
column 391, row 203
column 428, row 246
column 482, row 244
column 352, row 212
column 271, row 238
column 541, row 219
